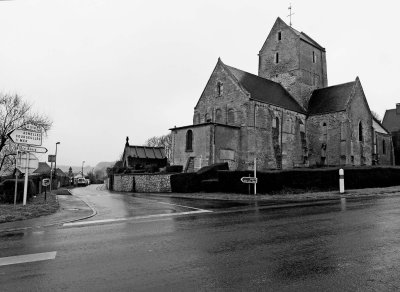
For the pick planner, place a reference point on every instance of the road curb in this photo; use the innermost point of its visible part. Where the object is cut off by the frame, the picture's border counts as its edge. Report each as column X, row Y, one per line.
column 94, row 212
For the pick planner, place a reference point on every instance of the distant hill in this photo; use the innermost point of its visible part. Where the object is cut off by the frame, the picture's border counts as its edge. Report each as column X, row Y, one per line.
column 101, row 166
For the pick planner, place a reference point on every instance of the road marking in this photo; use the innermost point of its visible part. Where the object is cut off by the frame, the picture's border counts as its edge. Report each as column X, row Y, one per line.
column 28, row 258
column 134, row 218
column 165, row 203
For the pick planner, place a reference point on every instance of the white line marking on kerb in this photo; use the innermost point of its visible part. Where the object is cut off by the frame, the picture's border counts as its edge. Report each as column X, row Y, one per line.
column 28, row 258
column 133, row 218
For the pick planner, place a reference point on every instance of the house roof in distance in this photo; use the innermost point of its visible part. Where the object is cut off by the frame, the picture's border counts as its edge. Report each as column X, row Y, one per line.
column 144, row 152
column 391, row 120
column 330, row 99
column 43, row 168
column 265, row 90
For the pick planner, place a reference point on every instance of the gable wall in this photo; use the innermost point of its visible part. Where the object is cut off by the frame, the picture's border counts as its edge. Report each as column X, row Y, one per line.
column 232, row 98
column 358, row 111
column 335, row 136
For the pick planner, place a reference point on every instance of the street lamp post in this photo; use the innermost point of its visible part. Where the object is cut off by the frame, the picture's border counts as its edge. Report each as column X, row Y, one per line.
column 83, row 162
column 55, row 162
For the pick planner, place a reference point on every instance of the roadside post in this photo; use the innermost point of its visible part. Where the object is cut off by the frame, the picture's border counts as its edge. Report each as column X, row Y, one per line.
column 45, row 183
column 341, row 181
column 255, row 175
column 16, row 182
column 51, row 159
column 26, row 179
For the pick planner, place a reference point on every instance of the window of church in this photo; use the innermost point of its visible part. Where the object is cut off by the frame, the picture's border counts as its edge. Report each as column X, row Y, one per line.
column 276, row 58
column 313, row 57
column 189, row 140
column 220, row 88
column 218, row 116
column 207, row 118
column 383, row 147
column 231, row 117
column 279, row 36
column 360, row 132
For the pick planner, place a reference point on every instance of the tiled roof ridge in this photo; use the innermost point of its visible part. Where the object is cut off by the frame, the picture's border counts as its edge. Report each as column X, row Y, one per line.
column 336, row 85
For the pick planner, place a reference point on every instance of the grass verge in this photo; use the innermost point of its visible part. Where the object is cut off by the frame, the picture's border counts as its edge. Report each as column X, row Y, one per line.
column 35, row 207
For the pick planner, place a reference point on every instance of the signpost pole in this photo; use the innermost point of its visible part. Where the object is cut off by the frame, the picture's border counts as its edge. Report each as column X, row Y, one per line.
column 15, row 191
column 255, row 175
column 51, row 174
column 26, row 179
column 16, row 182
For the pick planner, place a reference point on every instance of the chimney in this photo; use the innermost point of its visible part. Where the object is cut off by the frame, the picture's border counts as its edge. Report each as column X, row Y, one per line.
column 397, row 108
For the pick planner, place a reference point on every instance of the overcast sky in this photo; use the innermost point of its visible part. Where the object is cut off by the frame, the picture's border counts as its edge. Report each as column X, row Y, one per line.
column 107, row 69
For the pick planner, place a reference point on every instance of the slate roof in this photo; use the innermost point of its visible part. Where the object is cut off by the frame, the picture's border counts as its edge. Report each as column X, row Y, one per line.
column 144, row 152
column 330, row 99
column 378, row 127
column 306, row 38
column 265, row 90
column 43, row 168
column 391, row 120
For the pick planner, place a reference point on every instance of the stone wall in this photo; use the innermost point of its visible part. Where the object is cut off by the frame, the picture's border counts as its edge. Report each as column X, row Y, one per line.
column 228, row 107
column 300, row 68
column 153, row 183
column 123, row 183
column 142, row 183
column 332, row 131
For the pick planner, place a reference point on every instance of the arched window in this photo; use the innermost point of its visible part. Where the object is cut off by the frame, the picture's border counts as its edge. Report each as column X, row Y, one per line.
column 220, row 88
column 218, row 116
column 189, row 140
column 383, row 147
column 276, row 58
column 360, row 132
column 231, row 117
column 207, row 118
column 275, row 123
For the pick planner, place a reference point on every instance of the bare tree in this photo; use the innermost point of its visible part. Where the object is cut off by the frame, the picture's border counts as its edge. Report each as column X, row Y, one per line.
column 376, row 116
column 161, row 141
column 16, row 113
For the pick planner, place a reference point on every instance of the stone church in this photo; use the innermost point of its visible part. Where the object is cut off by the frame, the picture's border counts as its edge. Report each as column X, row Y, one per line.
column 285, row 117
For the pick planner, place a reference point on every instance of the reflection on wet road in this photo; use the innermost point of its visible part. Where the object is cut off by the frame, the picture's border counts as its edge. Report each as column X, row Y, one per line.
column 344, row 245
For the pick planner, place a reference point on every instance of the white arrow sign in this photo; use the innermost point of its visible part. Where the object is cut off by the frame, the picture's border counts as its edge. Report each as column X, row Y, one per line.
column 26, row 137
column 32, row 149
column 249, row 180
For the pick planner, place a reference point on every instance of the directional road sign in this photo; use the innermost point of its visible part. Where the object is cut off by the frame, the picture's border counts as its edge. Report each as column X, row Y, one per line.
column 32, row 149
column 26, row 137
column 249, row 180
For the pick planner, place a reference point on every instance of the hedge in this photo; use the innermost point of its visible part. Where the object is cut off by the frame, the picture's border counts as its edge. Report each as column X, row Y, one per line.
column 298, row 180
column 311, row 179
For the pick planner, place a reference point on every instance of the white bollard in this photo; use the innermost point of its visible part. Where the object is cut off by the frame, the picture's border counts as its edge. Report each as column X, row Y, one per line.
column 341, row 181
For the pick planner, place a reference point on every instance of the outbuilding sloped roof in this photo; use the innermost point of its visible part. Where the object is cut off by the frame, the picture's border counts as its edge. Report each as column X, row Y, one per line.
column 391, row 120
column 265, row 90
column 330, row 99
column 43, row 168
column 145, row 152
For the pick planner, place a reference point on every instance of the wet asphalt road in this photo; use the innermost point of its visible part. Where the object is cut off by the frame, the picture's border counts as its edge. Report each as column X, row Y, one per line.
column 340, row 246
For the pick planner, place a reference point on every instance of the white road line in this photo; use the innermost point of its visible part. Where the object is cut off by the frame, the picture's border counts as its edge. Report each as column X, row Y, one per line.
column 133, row 218
column 28, row 258
column 159, row 202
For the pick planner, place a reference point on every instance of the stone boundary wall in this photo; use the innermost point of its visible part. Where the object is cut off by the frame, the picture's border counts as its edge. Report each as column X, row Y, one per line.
column 143, row 183
column 153, row 183
column 123, row 183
